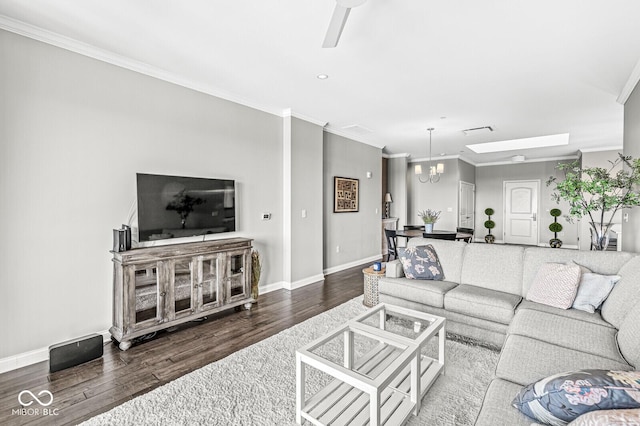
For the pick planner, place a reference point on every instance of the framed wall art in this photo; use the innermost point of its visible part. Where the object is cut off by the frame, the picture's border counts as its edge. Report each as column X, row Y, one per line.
column 345, row 194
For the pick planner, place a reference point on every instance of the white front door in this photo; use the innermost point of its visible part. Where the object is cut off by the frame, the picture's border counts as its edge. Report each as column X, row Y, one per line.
column 521, row 212
column 467, row 202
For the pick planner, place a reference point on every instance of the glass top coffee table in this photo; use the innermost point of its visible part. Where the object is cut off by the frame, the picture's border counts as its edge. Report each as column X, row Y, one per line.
column 373, row 368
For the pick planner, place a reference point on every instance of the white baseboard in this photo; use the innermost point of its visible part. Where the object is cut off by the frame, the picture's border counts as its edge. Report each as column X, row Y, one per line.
column 339, row 268
column 35, row 356
column 303, row 282
column 264, row 289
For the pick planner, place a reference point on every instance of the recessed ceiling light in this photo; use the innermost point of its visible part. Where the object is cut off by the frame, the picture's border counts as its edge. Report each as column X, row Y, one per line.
column 322, row 76
column 525, row 143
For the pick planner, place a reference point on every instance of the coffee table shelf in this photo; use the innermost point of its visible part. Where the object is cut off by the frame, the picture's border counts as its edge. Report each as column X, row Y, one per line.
column 383, row 386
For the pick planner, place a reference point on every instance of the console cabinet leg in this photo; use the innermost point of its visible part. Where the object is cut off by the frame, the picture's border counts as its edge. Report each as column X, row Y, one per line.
column 124, row 345
column 248, row 305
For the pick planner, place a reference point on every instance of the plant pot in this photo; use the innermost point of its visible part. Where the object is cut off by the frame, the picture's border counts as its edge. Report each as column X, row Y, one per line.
column 428, row 228
column 599, row 236
column 555, row 243
column 489, row 239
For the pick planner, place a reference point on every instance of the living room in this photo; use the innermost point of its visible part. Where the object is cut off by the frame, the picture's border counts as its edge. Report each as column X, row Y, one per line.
column 78, row 123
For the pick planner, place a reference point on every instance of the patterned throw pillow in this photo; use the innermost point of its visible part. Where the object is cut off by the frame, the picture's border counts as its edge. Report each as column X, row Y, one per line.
column 421, row 263
column 555, row 284
column 609, row 418
column 562, row 398
column 593, row 290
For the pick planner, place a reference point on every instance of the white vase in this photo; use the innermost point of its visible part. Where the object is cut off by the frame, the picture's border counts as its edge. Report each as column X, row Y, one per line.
column 428, row 228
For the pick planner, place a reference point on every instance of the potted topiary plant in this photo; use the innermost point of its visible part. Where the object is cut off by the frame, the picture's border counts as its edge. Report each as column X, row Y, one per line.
column 555, row 227
column 429, row 217
column 489, row 224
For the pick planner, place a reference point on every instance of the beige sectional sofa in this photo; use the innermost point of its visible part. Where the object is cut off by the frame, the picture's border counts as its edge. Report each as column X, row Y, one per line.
column 483, row 298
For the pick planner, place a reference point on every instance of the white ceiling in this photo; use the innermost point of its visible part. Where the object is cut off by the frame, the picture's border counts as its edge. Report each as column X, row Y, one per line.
column 526, row 68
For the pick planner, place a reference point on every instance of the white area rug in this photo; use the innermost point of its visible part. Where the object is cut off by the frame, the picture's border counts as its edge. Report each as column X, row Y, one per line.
column 256, row 385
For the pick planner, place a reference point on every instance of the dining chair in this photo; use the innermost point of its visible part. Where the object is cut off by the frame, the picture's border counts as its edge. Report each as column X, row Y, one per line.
column 466, row 231
column 392, row 244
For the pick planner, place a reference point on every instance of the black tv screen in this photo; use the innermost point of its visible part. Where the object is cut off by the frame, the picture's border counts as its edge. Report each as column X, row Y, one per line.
column 176, row 206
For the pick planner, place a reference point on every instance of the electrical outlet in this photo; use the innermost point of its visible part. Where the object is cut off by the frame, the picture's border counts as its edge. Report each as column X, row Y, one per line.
column 337, row 249
column 266, row 216
column 304, row 213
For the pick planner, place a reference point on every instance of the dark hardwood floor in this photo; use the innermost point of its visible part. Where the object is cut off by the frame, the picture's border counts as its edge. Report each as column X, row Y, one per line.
column 82, row 392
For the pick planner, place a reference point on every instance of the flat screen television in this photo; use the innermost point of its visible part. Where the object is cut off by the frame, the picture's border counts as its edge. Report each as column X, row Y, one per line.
column 178, row 206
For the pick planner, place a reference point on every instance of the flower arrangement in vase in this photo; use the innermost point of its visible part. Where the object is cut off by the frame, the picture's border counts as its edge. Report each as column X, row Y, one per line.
column 429, row 217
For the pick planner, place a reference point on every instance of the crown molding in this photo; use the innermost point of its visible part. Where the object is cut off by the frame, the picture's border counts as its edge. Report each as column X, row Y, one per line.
column 308, row 119
column 347, row 135
column 614, row 148
column 27, row 30
column 534, row 160
column 439, row 157
column 402, row 155
column 633, row 80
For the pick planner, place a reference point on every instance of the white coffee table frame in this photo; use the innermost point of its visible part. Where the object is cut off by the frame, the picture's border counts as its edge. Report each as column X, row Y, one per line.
column 396, row 389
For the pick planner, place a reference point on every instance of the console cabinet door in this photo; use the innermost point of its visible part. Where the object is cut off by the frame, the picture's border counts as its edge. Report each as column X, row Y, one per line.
column 181, row 299
column 145, row 288
column 238, row 270
column 208, row 281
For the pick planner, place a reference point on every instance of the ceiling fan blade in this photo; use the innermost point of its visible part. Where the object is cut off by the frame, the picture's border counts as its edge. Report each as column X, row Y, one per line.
column 339, row 18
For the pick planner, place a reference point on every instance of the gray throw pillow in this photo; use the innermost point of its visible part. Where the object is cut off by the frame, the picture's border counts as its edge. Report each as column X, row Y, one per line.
column 421, row 263
column 593, row 290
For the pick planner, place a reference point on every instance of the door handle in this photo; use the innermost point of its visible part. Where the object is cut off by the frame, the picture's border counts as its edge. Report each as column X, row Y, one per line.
column 534, row 217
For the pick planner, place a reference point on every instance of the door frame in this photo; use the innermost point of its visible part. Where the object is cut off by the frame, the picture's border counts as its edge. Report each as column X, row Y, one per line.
column 504, row 208
column 473, row 206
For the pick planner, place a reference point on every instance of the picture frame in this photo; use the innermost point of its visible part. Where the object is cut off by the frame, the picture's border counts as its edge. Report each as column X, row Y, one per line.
column 345, row 194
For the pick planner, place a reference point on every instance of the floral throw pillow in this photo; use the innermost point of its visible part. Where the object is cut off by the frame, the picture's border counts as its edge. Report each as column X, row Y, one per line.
column 421, row 263
column 562, row 398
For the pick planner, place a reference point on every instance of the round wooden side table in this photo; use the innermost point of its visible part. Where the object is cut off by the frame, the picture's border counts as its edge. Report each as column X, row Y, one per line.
column 371, row 278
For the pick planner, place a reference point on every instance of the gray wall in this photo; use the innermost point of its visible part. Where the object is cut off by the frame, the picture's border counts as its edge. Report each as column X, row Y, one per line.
column 74, row 131
column 358, row 234
column 467, row 172
column 397, row 187
column 631, row 229
column 490, row 193
column 306, row 194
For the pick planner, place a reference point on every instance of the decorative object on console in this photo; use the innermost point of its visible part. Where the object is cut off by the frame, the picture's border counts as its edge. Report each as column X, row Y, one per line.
column 562, row 398
column 555, row 227
column 600, row 192
column 555, row 284
column 256, row 269
column 489, row 224
column 429, row 217
column 434, row 171
column 421, row 263
column 345, row 194
column 387, row 200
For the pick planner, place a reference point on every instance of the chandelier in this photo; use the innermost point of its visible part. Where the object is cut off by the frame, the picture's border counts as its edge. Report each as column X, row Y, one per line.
column 434, row 171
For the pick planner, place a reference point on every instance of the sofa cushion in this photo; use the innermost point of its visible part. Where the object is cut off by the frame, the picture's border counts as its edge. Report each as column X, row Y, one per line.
column 430, row 293
column 555, row 284
column 496, row 407
column 624, row 295
column 421, row 263
column 482, row 303
column 563, row 397
column 449, row 252
column 629, row 336
column 567, row 332
column 593, row 290
column 524, row 360
column 594, row 318
column 606, row 263
column 493, row 266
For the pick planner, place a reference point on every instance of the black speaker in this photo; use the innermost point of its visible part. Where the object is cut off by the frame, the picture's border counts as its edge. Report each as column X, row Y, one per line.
column 75, row 352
